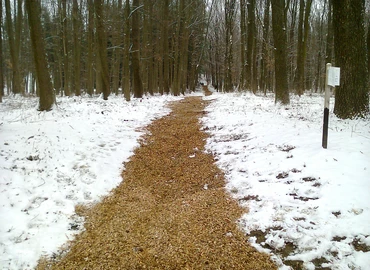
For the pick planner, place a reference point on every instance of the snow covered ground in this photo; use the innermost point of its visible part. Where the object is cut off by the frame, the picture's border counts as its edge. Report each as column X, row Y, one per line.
column 52, row 161
column 305, row 203
column 308, row 207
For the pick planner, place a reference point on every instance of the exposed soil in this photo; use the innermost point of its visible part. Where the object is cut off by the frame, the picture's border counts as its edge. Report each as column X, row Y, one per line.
column 170, row 212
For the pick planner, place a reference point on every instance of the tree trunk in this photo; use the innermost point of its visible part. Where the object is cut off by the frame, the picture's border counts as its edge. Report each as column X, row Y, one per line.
column 66, row 84
column 138, row 85
column 14, row 47
column 229, row 25
column 77, row 48
column 117, row 55
column 38, row 49
column 304, row 14
column 330, row 36
column 243, row 35
column 265, row 54
column 279, row 34
column 352, row 96
column 126, row 54
column 151, row 61
column 1, row 54
column 165, row 57
column 251, row 45
column 102, row 48
column 368, row 49
column 90, row 48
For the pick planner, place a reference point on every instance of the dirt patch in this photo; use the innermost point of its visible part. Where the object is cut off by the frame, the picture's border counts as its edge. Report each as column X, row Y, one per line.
column 170, row 212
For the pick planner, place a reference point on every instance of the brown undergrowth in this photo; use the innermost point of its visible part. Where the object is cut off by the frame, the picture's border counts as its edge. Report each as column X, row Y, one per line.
column 170, row 212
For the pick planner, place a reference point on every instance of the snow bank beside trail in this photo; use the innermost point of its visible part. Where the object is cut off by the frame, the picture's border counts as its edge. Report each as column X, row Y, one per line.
column 52, row 161
column 307, row 206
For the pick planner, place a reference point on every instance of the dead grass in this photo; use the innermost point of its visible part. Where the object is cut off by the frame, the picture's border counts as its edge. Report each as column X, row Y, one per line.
column 171, row 210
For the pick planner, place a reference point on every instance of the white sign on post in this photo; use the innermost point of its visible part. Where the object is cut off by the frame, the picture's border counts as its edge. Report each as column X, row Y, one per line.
column 334, row 76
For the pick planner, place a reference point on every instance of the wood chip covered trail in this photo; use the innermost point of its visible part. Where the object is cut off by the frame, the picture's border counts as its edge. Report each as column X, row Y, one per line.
column 170, row 212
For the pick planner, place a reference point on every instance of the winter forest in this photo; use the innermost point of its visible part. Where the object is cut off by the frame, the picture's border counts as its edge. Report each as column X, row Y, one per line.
column 184, row 134
column 146, row 46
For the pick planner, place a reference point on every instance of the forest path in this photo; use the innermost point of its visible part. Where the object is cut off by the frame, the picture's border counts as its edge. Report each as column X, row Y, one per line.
column 170, row 212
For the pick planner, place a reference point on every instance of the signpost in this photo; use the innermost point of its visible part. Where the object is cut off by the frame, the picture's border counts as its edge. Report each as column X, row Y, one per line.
column 332, row 80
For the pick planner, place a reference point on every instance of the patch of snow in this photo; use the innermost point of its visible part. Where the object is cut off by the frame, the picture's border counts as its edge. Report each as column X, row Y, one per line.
column 297, row 193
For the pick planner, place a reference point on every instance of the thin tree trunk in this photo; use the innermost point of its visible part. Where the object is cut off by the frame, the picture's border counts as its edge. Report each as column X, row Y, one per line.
column 138, row 85
column 66, row 84
column 251, row 45
column 165, row 58
column 266, row 27
column 14, row 48
column 229, row 25
column 57, row 72
column 368, row 49
column 330, row 36
column 243, row 35
column 1, row 54
column 126, row 54
column 90, row 48
column 38, row 49
column 117, row 55
column 177, row 63
column 77, row 49
column 304, row 14
column 151, row 60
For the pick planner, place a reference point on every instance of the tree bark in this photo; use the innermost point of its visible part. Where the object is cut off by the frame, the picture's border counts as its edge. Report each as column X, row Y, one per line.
column 1, row 54
column 352, row 96
column 279, row 34
column 77, row 48
column 14, row 45
column 368, row 49
column 330, row 36
column 138, row 85
column 251, row 46
column 243, row 35
column 102, row 48
column 165, row 57
column 38, row 48
column 265, row 50
column 117, row 55
column 304, row 14
column 64, row 26
column 229, row 25
column 90, row 48
column 126, row 54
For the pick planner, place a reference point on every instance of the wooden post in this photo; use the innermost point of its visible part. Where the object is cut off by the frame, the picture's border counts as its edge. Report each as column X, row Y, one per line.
column 326, row 109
